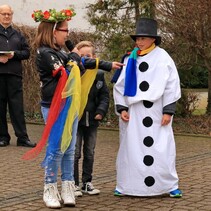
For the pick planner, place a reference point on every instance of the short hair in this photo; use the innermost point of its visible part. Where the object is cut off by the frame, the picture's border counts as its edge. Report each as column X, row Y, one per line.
column 6, row 6
column 86, row 43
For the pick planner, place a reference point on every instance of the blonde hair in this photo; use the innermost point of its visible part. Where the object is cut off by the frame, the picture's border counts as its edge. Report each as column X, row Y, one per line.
column 86, row 43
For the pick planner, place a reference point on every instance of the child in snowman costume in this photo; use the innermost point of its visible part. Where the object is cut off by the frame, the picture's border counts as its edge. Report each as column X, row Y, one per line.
column 145, row 96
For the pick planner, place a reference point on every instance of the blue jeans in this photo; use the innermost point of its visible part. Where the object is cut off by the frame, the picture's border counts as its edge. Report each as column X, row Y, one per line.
column 64, row 160
column 86, row 136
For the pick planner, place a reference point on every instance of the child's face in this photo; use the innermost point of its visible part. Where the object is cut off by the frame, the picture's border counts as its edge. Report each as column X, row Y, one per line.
column 61, row 33
column 87, row 52
column 144, row 43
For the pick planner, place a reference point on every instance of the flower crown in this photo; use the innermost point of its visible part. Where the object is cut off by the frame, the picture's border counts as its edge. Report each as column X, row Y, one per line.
column 53, row 16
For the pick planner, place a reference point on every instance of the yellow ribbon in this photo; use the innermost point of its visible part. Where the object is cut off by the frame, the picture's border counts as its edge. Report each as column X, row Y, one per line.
column 87, row 81
column 78, row 87
column 72, row 88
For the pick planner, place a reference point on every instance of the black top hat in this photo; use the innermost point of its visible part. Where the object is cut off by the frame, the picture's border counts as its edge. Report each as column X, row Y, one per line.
column 147, row 27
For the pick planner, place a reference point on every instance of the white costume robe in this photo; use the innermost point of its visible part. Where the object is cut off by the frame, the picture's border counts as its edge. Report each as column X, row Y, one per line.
column 146, row 157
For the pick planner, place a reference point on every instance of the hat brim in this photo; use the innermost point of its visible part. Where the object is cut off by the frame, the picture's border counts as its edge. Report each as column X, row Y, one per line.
column 157, row 38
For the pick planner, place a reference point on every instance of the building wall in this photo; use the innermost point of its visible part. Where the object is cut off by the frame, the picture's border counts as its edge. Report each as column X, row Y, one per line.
column 24, row 8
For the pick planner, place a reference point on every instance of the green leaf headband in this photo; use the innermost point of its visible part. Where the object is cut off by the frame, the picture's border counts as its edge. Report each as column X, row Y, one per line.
column 53, row 16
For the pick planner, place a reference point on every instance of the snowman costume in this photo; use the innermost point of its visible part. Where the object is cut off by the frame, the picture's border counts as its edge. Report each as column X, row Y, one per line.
column 146, row 158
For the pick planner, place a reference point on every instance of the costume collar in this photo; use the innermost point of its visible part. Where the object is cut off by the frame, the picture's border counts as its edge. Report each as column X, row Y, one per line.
column 141, row 53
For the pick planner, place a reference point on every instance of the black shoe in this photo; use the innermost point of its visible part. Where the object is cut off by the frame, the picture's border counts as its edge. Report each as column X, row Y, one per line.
column 26, row 143
column 4, row 143
column 89, row 189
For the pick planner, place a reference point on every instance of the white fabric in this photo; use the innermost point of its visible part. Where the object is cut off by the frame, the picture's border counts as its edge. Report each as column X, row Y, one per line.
column 164, row 88
column 162, row 76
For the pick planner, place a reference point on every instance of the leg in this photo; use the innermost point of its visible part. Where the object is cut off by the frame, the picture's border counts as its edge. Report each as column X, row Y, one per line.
column 67, row 168
column 88, row 149
column 52, row 163
column 44, row 112
column 78, row 154
column 15, row 103
column 51, row 196
column 16, row 110
column 90, row 136
column 4, row 135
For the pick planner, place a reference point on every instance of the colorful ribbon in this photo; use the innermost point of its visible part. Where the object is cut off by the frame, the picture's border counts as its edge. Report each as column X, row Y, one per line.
column 68, row 103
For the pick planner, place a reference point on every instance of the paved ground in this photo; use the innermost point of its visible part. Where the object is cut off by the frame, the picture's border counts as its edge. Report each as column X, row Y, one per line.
column 21, row 181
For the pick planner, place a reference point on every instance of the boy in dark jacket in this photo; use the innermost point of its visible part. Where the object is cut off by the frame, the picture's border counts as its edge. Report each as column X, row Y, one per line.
column 95, row 111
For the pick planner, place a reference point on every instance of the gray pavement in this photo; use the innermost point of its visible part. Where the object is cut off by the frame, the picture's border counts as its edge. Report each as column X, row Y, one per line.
column 21, row 181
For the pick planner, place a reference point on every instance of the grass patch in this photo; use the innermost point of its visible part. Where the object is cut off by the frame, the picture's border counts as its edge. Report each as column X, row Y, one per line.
column 199, row 112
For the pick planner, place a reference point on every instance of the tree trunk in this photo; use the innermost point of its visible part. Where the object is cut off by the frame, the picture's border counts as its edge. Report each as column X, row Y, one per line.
column 209, row 93
column 137, row 11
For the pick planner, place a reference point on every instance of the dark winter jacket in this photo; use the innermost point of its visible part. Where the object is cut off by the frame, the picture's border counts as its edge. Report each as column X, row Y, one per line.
column 48, row 60
column 98, row 102
column 12, row 40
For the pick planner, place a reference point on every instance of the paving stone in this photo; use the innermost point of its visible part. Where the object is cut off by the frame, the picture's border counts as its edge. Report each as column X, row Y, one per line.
column 22, row 181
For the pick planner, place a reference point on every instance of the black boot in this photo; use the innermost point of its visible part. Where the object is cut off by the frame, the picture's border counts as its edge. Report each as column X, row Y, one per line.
column 4, row 141
column 25, row 143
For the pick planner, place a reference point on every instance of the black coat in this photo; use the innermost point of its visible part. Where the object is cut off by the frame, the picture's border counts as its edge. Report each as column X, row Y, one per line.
column 12, row 40
column 98, row 102
column 48, row 60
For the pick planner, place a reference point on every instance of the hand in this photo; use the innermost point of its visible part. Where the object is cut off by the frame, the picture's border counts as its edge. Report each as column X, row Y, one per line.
column 166, row 119
column 75, row 50
column 10, row 56
column 98, row 117
column 117, row 65
column 3, row 59
column 125, row 116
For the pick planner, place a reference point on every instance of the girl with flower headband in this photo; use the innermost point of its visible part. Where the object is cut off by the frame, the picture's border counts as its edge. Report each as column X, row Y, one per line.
column 64, row 96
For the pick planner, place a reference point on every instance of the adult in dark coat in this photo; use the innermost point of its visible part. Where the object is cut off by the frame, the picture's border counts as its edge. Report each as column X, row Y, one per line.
column 13, row 49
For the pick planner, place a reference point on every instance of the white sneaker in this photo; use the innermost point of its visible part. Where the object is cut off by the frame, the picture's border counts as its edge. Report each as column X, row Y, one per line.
column 51, row 196
column 67, row 193
column 89, row 189
column 77, row 191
